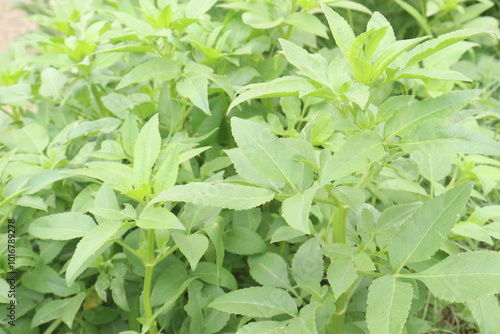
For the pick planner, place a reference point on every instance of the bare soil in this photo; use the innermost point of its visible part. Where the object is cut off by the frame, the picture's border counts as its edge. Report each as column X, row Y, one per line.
column 13, row 23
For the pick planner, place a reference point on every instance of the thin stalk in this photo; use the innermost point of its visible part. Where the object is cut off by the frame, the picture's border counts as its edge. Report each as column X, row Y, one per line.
column 53, row 326
column 149, row 264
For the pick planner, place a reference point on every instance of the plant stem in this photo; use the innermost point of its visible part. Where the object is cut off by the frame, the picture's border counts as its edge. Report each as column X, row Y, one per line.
column 149, row 264
column 53, row 326
column 339, row 236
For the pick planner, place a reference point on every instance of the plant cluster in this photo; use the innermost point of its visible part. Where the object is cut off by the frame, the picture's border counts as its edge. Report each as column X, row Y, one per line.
column 279, row 167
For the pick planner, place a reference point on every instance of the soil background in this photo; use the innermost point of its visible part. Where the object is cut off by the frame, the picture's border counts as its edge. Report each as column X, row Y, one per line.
column 13, row 23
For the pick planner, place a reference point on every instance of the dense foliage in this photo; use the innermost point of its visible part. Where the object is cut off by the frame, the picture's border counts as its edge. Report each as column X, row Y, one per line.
column 295, row 166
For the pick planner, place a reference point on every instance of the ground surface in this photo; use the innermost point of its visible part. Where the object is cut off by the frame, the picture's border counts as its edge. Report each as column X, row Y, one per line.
column 12, row 23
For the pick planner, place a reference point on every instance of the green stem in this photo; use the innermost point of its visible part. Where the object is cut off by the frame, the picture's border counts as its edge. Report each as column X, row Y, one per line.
column 53, row 326
column 149, row 264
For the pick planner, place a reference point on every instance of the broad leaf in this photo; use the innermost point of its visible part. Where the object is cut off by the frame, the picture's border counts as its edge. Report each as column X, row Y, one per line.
column 270, row 270
column 192, row 246
column 158, row 218
column 342, row 32
column 307, row 263
column 62, row 226
column 160, row 69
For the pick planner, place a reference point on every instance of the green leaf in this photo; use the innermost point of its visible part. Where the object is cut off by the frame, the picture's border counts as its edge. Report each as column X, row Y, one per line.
column 284, row 86
column 223, row 195
column 159, row 69
column 207, row 272
column 243, row 241
column 431, row 47
column 473, row 231
column 296, row 209
column 341, row 275
column 52, row 83
column 117, row 175
column 192, row 246
column 267, row 154
column 307, row 22
column 313, row 66
column 367, row 146
column 146, row 151
column 168, row 283
column 158, row 218
column 422, row 21
column 407, row 119
column 118, row 104
column 306, row 322
column 166, row 175
column 90, row 247
column 463, row 277
column 435, row 137
column 341, row 30
column 269, row 269
column 264, row 302
column 420, row 237
column 486, row 311
column 307, row 263
column 263, row 327
column 62, row 226
column 196, row 8
column 432, row 73
column 389, row 302
column 64, row 309
column 194, row 86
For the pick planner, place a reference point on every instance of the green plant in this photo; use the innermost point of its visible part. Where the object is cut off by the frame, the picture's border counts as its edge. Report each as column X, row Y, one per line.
column 343, row 189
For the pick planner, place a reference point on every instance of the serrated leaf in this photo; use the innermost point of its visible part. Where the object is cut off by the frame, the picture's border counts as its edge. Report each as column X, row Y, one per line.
column 160, row 69
column 421, row 236
column 64, row 309
column 90, row 247
column 263, row 327
column 166, row 175
column 296, row 209
column 486, row 311
column 284, row 86
column 431, row 73
column 264, row 302
column 341, row 30
column 307, row 263
column 269, row 269
column 389, row 302
column 62, row 226
column 158, row 218
column 222, row 195
column 306, row 322
column 192, row 246
column 243, row 241
column 118, row 176
column 367, row 146
column 194, row 86
column 146, row 151
column 341, row 275
column 463, row 277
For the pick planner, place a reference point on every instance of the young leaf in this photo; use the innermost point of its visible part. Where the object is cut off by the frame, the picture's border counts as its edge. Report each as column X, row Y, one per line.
column 296, row 209
column 146, row 151
column 194, row 86
column 269, row 269
column 222, row 195
column 160, row 69
column 389, row 302
column 368, row 147
column 158, row 218
column 62, row 226
column 341, row 275
column 420, row 237
column 90, row 247
column 166, row 175
column 192, row 246
column 341, row 30
column 307, row 22
column 284, row 86
column 463, row 277
column 264, row 302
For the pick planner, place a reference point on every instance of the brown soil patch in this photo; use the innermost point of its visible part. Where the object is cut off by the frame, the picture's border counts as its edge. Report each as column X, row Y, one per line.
column 12, row 23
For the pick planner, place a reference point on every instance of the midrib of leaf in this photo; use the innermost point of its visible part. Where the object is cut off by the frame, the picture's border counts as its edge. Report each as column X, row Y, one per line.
column 276, row 276
column 274, row 162
column 427, row 232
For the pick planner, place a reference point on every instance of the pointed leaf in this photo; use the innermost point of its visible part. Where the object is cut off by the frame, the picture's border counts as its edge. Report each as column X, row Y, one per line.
column 62, row 226
column 296, row 209
column 159, row 218
column 146, row 151
column 192, row 246
column 341, row 30
column 270, row 270
column 160, row 69
column 341, row 275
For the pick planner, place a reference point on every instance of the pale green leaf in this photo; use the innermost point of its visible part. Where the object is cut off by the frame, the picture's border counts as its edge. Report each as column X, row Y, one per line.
column 264, row 302
column 389, row 302
column 64, row 309
column 432, row 73
column 196, row 8
column 194, row 86
column 342, row 32
column 306, row 322
column 341, row 275
column 62, row 226
column 146, row 151
column 420, row 237
column 307, row 263
column 263, row 327
column 159, row 69
column 486, row 311
column 52, row 83
column 223, row 195
column 296, row 209
column 307, row 22
column 118, row 104
column 269, row 269
column 192, row 246
column 117, row 175
column 243, row 241
column 473, row 231
column 158, row 218
column 463, row 277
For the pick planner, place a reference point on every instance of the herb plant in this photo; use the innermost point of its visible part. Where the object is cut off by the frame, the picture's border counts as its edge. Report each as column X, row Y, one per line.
column 251, row 167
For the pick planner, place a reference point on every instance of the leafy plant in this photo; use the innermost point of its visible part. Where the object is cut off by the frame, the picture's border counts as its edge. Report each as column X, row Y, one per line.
column 226, row 167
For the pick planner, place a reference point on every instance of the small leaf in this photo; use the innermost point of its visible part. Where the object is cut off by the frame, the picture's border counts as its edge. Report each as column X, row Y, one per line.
column 389, row 302
column 222, row 195
column 307, row 22
column 52, row 83
column 194, row 86
column 307, row 263
column 296, row 209
column 62, row 226
column 146, row 151
column 264, row 302
column 166, row 175
column 192, row 246
column 160, row 69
